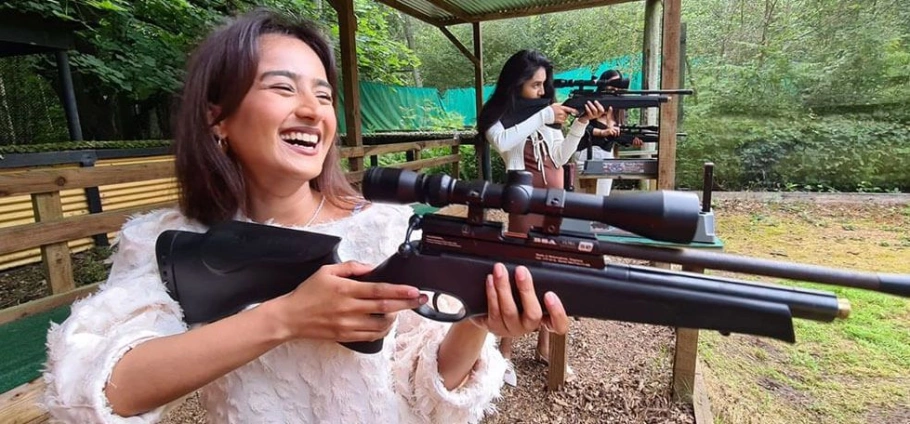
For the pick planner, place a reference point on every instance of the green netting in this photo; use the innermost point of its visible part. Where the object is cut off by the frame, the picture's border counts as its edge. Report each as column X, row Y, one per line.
column 461, row 101
column 385, row 107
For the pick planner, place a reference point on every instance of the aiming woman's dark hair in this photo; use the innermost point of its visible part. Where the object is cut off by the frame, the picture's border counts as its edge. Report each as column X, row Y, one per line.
column 219, row 75
column 518, row 69
column 610, row 73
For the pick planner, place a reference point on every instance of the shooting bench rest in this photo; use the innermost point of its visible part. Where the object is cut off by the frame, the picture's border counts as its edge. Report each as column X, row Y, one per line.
column 686, row 350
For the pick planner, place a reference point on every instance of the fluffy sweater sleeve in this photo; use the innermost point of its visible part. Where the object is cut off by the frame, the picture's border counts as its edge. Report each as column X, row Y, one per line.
column 131, row 307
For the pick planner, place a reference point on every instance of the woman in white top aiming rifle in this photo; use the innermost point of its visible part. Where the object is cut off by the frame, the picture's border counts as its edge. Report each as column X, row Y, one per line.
column 523, row 122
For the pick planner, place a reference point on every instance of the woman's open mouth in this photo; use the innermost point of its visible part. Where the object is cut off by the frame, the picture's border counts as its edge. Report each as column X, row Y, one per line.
column 301, row 142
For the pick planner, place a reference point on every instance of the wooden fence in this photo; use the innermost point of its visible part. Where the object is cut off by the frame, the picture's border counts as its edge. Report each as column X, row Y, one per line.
column 51, row 228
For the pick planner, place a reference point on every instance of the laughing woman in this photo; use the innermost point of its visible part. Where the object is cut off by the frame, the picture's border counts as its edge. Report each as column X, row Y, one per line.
column 255, row 140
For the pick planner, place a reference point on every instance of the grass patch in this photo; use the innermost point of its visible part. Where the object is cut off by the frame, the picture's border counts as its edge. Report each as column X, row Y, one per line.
column 839, row 372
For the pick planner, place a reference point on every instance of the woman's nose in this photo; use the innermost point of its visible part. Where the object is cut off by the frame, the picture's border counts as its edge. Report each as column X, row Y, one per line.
column 308, row 108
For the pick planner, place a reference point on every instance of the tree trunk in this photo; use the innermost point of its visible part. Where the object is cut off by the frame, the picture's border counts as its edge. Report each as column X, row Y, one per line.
column 409, row 37
column 6, row 113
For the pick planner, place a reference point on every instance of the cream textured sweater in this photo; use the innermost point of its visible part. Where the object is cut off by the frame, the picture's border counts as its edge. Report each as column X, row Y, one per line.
column 306, row 381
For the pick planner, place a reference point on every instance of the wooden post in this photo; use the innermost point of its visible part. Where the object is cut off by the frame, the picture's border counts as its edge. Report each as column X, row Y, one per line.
column 669, row 79
column 685, row 357
column 347, row 27
column 482, row 148
column 58, row 266
column 556, row 375
column 682, row 71
column 650, row 73
column 455, row 168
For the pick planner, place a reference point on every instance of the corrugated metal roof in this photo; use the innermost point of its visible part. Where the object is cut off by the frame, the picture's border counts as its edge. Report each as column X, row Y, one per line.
column 451, row 12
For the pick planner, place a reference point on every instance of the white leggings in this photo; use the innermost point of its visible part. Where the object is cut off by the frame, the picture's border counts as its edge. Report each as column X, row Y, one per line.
column 603, row 184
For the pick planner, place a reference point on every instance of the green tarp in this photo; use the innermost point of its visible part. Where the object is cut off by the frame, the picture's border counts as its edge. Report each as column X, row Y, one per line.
column 385, row 107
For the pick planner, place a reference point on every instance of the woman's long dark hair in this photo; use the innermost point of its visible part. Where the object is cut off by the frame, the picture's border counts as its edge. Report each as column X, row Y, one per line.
column 518, row 69
column 220, row 73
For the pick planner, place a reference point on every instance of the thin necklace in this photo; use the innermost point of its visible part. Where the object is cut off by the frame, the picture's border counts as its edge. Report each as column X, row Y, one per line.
column 315, row 214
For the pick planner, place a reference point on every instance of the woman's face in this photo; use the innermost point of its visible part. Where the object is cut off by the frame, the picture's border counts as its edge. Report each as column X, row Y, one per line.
column 533, row 87
column 285, row 125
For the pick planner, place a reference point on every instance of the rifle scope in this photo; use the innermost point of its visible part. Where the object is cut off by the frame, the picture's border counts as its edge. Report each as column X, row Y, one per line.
column 670, row 216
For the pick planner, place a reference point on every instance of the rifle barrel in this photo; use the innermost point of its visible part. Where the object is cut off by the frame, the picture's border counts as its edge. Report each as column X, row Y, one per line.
column 896, row 284
column 674, row 91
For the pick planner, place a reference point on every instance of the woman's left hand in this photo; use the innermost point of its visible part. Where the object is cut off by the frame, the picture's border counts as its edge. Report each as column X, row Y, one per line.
column 593, row 110
column 503, row 318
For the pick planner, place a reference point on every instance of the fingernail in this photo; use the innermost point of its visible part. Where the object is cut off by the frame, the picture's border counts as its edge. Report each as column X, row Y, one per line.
column 549, row 299
column 423, row 299
column 489, row 281
column 498, row 270
column 521, row 274
column 413, row 292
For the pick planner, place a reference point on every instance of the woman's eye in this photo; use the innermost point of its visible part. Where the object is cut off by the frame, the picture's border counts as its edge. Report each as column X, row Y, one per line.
column 324, row 96
column 284, row 87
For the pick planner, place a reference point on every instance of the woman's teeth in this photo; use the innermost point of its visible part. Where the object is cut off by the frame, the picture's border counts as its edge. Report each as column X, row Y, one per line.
column 300, row 139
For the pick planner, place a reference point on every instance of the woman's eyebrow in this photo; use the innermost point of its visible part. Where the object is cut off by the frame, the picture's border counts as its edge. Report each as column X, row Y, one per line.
column 319, row 82
column 280, row 73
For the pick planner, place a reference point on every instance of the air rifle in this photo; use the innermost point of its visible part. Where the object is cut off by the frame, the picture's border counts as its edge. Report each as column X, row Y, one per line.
column 609, row 95
column 236, row 264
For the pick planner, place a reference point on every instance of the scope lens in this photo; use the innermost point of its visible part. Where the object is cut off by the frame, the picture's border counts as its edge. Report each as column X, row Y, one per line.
column 402, row 186
column 390, row 185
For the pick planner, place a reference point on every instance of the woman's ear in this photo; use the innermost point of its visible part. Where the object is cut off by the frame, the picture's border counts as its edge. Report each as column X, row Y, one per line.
column 217, row 128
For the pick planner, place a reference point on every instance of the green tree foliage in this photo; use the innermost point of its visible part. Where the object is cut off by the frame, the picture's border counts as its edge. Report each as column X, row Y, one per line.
column 569, row 39
column 130, row 55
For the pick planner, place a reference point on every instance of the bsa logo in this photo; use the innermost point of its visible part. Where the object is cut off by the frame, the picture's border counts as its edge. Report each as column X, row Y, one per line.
column 544, row 241
column 586, row 246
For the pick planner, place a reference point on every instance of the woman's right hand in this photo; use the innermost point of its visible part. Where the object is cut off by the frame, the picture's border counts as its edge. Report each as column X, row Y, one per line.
column 561, row 113
column 331, row 306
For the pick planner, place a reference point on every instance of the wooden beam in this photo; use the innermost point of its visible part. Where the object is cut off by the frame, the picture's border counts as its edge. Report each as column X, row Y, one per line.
column 45, row 232
column 650, row 72
column 701, row 403
column 347, row 27
column 556, row 374
column 45, row 303
column 456, row 150
column 669, row 79
column 482, row 146
column 20, row 405
column 454, row 10
column 395, row 4
column 427, row 163
column 380, row 149
column 51, row 180
column 457, row 43
column 357, row 176
column 544, row 9
column 55, row 258
column 685, row 356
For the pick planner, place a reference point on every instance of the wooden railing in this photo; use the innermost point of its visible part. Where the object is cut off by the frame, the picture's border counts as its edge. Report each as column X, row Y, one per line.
column 51, row 230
